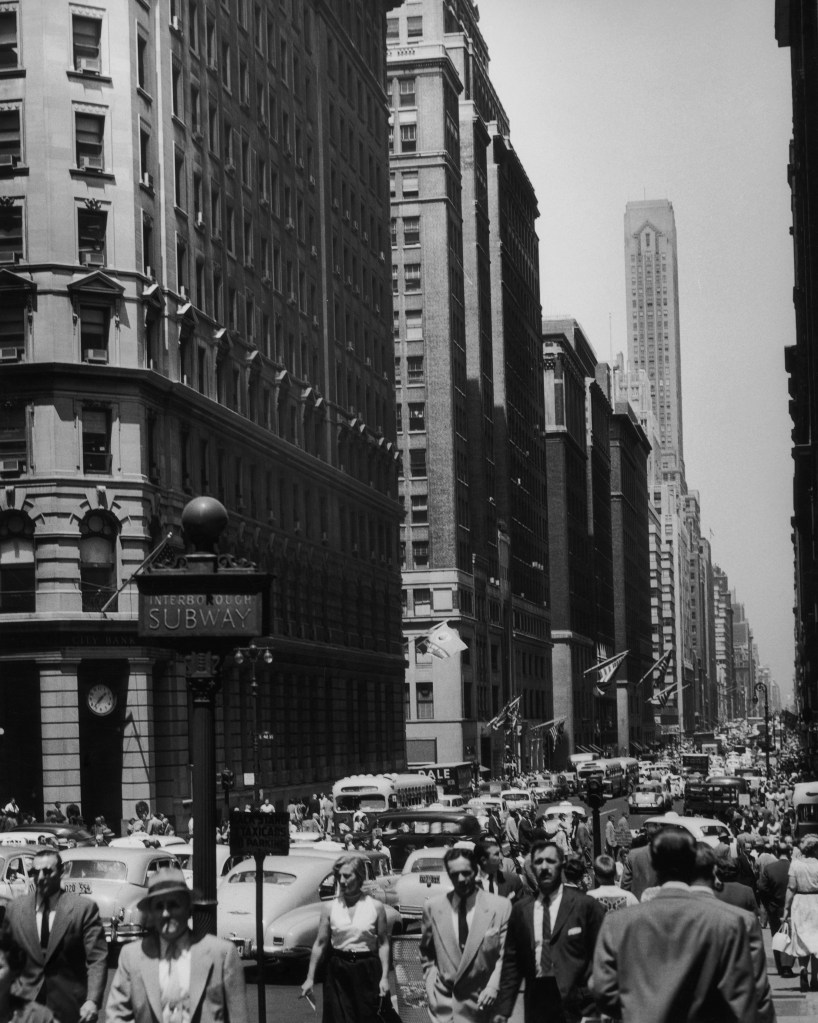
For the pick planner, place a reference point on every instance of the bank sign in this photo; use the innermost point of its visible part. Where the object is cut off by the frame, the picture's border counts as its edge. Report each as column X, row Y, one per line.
column 200, row 614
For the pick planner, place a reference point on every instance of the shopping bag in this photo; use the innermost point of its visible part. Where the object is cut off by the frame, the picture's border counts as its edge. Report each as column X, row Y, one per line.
column 386, row 1010
column 781, row 938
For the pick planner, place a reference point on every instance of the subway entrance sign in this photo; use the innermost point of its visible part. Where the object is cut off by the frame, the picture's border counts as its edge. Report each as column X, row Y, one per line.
column 259, row 834
column 182, row 615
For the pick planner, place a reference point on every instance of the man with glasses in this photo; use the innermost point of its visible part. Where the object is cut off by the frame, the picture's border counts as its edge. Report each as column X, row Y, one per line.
column 66, row 952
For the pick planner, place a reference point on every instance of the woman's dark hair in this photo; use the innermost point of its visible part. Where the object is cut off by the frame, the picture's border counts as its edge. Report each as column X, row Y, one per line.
column 15, row 956
column 573, row 869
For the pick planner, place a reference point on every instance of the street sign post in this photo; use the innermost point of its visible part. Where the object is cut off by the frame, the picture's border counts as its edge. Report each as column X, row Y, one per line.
column 258, row 835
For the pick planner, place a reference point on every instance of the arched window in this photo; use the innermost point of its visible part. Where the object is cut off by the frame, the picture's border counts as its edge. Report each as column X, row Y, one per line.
column 17, row 578
column 98, row 535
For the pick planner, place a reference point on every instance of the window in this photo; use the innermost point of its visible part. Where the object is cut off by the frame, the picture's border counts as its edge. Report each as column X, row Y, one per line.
column 9, row 49
column 96, row 441
column 420, row 508
column 414, row 27
column 411, row 230
column 11, row 233
column 17, row 577
column 91, row 226
column 414, row 324
column 98, row 534
column 411, row 276
column 408, row 138
column 417, row 417
column 410, row 184
column 13, row 444
column 392, row 29
column 12, row 331
column 94, row 323
column 87, row 34
column 406, row 92
column 417, row 462
column 90, row 134
column 11, row 148
column 414, row 367
column 141, row 67
column 425, row 701
column 399, row 417
column 179, row 180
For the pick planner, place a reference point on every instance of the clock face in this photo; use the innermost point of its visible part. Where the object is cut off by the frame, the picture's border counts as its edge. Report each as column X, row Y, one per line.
column 101, row 699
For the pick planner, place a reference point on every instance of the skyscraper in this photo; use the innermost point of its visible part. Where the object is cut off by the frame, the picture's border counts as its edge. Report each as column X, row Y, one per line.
column 652, row 303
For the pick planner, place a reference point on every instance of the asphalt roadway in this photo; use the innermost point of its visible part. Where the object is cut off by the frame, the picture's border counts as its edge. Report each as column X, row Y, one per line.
column 283, row 985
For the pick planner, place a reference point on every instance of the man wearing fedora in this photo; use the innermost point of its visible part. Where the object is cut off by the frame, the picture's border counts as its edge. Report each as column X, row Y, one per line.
column 168, row 977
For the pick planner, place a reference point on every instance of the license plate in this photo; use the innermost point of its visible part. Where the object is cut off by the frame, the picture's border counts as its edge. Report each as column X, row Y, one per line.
column 77, row 887
column 429, row 878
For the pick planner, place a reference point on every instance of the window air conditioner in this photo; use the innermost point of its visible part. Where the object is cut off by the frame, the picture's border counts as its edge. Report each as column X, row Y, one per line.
column 89, row 162
column 11, row 465
column 11, row 354
column 176, row 23
column 7, row 159
column 200, row 219
column 89, row 257
column 89, row 65
column 96, row 354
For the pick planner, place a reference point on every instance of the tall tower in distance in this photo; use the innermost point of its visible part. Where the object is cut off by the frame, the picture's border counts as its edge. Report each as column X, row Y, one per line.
column 652, row 301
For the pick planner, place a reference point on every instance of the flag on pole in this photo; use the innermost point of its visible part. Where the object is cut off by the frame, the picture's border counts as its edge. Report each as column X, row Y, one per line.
column 442, row 641
column 556, row 732
column 606, row 670
column 660, row 699
column 508, row 715
column 661, row 665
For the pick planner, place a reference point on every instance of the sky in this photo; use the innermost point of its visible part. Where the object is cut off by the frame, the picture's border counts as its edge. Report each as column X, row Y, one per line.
column 611, row 101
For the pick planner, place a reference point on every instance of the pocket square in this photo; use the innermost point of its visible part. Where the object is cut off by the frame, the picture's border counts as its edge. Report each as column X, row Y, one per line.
column 574, row 930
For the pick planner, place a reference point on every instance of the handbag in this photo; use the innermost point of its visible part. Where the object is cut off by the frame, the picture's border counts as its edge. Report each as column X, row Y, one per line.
column 782, row 939
column 386, row 1010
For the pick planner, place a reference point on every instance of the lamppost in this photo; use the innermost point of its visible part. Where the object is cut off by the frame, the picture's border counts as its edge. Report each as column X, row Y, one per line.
column 760, row 687
column 252, row 653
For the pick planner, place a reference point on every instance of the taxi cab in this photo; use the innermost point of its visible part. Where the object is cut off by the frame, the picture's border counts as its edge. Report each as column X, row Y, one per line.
column 423, row 876
column 116, row 880
column 16, row 878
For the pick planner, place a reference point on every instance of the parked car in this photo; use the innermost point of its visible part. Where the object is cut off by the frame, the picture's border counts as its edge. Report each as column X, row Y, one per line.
column 15, row 873
column 423, row 876
column 142, row 840
column 293, row 889
column 703, row 829
column 115, row 879
column 224, row 861
column 649, row 797
column 61, row 836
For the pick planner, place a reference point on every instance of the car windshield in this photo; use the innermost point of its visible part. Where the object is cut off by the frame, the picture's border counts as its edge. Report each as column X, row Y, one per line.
column 269, row 877
column 427, row 863
column 97, row 870
column 713, row 830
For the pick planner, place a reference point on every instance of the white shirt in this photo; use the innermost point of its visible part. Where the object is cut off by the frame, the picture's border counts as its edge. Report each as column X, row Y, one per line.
column 553, row 909
column 52, row 912
column 174, row 980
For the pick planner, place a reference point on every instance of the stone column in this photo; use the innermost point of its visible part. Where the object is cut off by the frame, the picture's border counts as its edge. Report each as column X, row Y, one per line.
column 59, row 718
column 138, row 747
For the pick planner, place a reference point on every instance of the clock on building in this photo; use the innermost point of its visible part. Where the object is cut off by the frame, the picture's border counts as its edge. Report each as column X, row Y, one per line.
column 101, row 699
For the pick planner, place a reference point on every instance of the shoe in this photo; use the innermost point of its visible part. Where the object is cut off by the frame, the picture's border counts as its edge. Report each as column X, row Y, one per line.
column 813, row 984
column 804, row 981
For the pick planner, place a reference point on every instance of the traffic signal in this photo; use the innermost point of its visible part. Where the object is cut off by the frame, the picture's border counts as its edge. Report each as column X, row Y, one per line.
column 595, row 794
column 227, row 779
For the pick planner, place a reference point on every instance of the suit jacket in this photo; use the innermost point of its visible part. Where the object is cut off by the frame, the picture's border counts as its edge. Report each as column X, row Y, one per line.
column 217, row 992
column 772, row 885
column 735, row 894
column 572, row 947
column 74, row 966
column 508, row 883
column 454, row 981
column 766, row 1009
column 638, row 873
column 677, row 957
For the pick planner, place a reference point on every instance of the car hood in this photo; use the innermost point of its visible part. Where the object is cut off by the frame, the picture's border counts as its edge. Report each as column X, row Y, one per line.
column 236, row 914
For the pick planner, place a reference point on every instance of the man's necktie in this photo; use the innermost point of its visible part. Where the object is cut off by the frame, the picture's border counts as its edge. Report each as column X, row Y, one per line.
column 45, row 928
column 491, row 886
column 462, row 924
column 545, row 959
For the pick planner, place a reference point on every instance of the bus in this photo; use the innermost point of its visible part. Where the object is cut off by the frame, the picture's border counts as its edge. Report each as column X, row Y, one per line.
column 611, row 773
column 630, row 767
column 377, row 793
column 696, row 763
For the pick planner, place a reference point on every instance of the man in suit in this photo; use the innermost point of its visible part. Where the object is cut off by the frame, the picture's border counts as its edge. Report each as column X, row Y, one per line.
column 772, row 890
column 705, row 883
column 638, row 873
column 463, row 936
column 678, row 957
column 66, row 964
column 490, row 875
column 550, row 943
column 167, row 977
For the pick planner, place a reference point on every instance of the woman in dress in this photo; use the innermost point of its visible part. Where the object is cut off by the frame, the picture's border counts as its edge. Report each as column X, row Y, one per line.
column 801, row 910
column 353, row 933
column 12, row 1008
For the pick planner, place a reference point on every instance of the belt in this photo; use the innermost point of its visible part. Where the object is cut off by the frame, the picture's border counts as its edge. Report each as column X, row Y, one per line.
column 352, row 957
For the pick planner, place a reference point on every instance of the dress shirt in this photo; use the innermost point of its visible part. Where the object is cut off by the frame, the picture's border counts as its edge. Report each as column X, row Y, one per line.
column 174, row 979
column 553, row 908
column 469, row 911
column 487, row 883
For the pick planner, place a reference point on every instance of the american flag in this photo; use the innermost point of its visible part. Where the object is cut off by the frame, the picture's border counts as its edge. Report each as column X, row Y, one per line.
column 442, row 641
column 606, row 671
column 661, row 665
